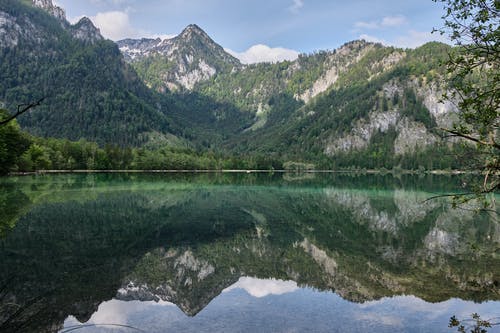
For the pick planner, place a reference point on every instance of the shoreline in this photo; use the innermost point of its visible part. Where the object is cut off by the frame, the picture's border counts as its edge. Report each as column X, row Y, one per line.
column 245, row 171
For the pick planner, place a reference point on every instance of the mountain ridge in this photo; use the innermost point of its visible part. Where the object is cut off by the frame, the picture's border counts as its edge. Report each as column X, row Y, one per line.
column 181, row 61
column 361, row 98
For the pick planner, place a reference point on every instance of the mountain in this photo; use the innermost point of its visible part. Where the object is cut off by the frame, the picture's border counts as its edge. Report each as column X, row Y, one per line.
column 90, row 92
column 180, row 62
column 52, row 9
column 360, row 100
column 333, row 107
column 380, row 102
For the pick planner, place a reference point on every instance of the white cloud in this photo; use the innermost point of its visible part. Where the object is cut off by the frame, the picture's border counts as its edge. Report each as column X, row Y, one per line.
column 411, row 39
column 393, row 21
column 415, row 38
column 380, row 319
column 385, row 22
column 117, row 312
column 115, row 25
column 296, row 6
column 109, row 2
column 366, row 25
column 264, row 53
column 261, row 288
column 74, row 20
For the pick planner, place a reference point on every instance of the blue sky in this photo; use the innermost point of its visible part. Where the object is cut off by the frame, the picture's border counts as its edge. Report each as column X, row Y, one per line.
column 281, row 28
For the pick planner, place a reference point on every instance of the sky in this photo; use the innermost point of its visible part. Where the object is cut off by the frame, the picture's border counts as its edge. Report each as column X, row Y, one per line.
column 267, row 30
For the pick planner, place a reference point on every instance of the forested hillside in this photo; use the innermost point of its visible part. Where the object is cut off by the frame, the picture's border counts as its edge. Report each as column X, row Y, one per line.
column 362, row 105
column 90, row 92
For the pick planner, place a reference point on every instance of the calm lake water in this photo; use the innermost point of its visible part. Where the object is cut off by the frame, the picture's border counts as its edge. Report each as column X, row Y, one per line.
column 242, row 253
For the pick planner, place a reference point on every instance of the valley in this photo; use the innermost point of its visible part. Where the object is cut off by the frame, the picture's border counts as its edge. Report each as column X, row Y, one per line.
column 331, row 108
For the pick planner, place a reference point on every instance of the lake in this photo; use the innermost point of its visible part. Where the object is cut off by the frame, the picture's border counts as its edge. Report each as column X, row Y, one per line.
column 242, row 253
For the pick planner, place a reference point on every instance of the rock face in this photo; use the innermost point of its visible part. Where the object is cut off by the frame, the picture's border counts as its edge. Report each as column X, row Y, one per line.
column 10, row 31
column 188, row 58
column 54, row 10
column 13, row 29
column 136, row 49
column 86, row 31
column 363, row 131
column 336, row 63
column 412, row 136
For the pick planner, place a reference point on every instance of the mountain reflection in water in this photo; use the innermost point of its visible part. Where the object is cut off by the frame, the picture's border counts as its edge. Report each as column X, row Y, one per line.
column 241, row 253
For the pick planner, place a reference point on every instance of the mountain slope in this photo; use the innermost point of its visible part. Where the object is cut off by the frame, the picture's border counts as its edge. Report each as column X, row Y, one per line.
column 363, row 99
column 90, row 91
column 362, row 104
column 180, row 62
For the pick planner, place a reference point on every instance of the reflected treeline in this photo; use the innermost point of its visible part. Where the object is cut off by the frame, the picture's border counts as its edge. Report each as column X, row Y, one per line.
column 81, row 240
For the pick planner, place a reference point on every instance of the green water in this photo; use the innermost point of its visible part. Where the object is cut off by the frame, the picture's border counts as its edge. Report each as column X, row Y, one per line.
column 209, row 252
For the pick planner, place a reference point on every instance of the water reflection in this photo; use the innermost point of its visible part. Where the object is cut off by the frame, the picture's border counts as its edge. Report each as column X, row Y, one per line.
column 284, row 310
column 85, row 245
column 261, row 288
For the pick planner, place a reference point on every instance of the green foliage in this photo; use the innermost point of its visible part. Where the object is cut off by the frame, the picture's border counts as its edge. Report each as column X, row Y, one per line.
column 13, row 144
column 298, row 166
column 243, row 114
column 62, row 154
column 414, row 109
column 90, row 92
column 152, row 69
column 427, row 61
column 473, row 325
column 474, row 25
column 370, row 65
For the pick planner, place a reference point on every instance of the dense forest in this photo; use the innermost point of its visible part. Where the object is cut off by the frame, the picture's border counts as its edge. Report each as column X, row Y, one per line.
column 21, row 152
column 101, row 112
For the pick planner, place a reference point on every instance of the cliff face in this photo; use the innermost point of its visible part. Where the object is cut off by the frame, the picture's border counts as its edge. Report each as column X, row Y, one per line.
column 85, row 31
column 52, row 9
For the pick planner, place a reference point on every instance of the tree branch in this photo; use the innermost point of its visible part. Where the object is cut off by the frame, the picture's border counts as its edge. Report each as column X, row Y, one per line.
column 20, row 110
column 471, row 138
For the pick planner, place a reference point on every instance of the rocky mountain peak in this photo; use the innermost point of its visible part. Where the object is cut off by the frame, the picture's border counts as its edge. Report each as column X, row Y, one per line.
column 86, row 31
column 52, row 9
column 192, row 30
column 196, row 40
column 192, row 57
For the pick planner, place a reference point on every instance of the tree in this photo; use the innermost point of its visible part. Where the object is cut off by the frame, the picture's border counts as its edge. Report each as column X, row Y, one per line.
column 474, row 68
column 473, row 325
column 13, row 143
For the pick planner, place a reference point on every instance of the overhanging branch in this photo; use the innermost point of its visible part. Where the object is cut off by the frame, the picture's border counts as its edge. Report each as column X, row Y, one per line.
column 22, row 109
column 471, row 138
